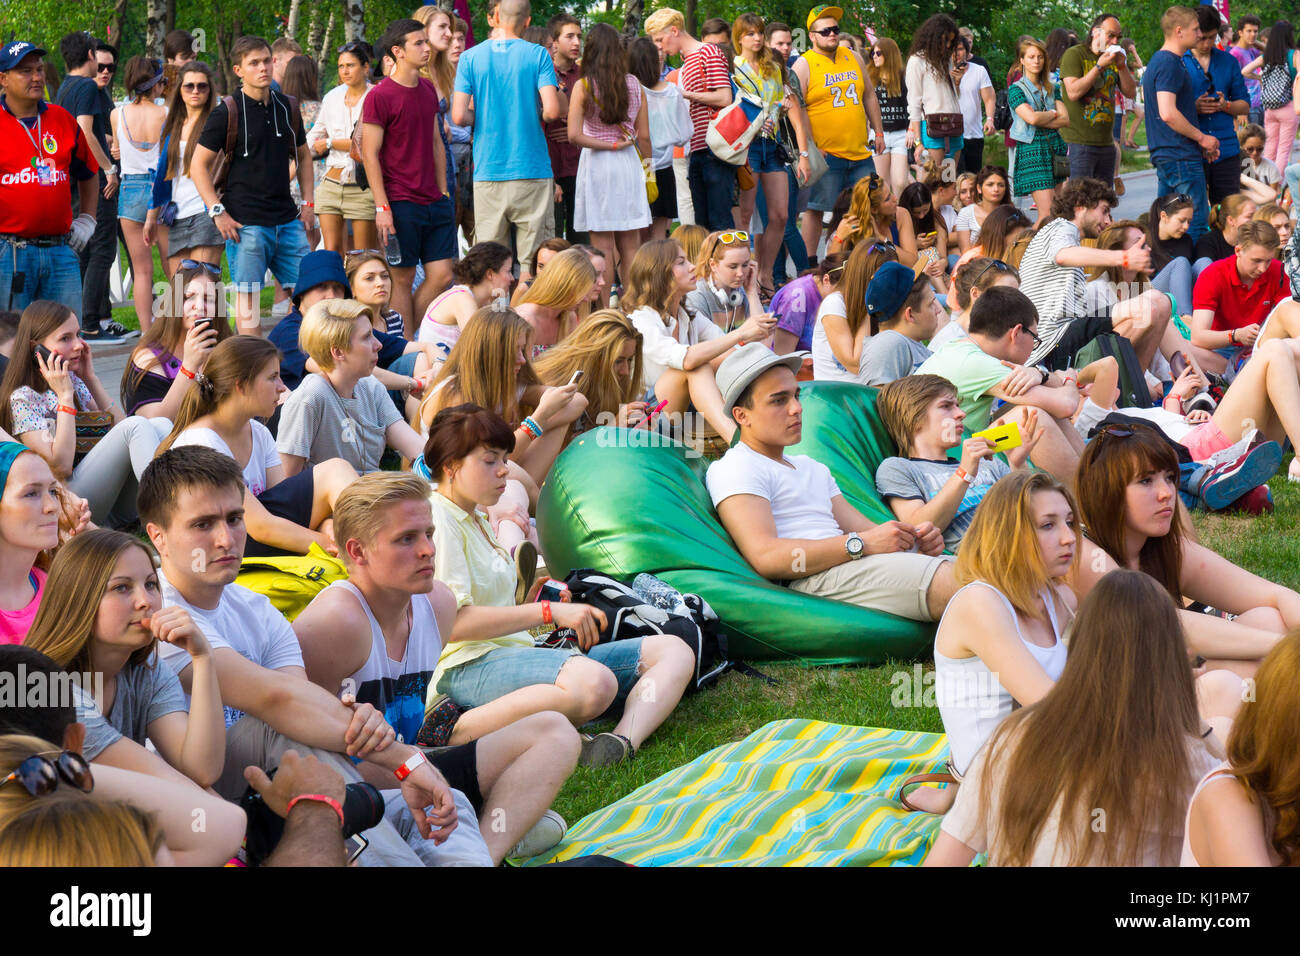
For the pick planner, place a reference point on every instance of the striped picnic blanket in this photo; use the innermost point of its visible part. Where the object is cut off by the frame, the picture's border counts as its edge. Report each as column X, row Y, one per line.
column 793, row 793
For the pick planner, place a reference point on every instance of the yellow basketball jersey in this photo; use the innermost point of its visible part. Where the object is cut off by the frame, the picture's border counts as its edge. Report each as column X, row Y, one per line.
column 834, row 96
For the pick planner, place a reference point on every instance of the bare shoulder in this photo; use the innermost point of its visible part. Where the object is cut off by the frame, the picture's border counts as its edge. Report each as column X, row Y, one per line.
column 444, row 606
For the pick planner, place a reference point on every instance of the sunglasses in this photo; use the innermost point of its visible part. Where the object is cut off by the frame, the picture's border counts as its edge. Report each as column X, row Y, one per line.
column 994, row 264
column 195, row 87
column 1176, row 199
column 727, row 238
column 882, row 245
column 208, row 267
column 352, row 46
column 108, row 68
column 876, row 53
column 828, row 32
column 1252, row 149
column 40, row 776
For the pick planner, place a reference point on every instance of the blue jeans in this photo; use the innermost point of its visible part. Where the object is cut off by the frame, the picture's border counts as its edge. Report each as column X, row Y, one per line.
column 504, row 670
column 1095, row 161
column 791, row 240
column 713, row 185
column 840, row 174
column 1186, row 176
column 278, row 248
column 45, row 272
column 1177, row 278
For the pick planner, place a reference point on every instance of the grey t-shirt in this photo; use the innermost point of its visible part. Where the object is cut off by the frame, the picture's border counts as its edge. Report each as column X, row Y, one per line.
column 144, row 693
column 920, row 479
column 888, row 356
column 317, row 424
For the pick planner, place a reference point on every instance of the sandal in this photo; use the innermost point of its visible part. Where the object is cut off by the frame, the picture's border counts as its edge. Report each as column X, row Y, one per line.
column 525, row 569
column 917, row 779
column 1119, row 186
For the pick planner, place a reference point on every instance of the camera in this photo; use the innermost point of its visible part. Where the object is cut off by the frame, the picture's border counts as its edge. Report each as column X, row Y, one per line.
column 363, row 808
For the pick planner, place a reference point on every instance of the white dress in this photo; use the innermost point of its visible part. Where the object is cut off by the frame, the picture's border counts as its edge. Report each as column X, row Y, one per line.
column 610, row 191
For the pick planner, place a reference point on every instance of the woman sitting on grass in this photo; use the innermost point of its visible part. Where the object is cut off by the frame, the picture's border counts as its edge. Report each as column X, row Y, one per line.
column 1128, row 484
column 1243, row 813
column 481, row 277
column 606, row 349
column 843, row 326
column 241, row 385
column 102, row 613
column 558, row 300
column 489, row 662
column 1097, row 771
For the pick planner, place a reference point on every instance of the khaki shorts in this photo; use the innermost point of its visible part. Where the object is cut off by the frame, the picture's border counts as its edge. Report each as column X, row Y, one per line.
column 528, row 204
column 895, row 583
column 350, row 201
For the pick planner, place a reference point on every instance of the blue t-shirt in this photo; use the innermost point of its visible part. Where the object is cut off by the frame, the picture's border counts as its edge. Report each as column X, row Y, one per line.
column 504, row 77
column 293, row 363
column 1166, row 73
column 1224, row 77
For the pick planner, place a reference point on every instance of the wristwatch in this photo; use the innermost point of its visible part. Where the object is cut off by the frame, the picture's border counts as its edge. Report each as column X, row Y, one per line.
column 216, row 210
column 1045, row 373
column 803, row 153
column 854, row 546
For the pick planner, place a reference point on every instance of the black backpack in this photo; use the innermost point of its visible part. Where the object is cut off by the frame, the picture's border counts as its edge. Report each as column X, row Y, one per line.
column 629, row 614
column 1002, row 112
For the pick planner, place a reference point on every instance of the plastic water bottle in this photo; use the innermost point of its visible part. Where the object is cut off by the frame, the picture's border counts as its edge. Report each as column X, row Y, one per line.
column 393, row 250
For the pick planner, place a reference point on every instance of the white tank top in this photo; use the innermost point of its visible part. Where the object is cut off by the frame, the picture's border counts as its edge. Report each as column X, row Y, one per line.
column 826, row 367
column 184, row 193
column 972, row 702
column 138, row 157
column 397, row 688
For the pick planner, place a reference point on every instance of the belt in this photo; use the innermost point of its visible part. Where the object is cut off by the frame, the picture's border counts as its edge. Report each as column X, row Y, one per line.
column 39, row 241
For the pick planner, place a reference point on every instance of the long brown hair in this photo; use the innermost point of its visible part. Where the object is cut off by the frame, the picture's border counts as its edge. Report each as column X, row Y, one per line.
column 1001, row 545
column 1112, row 741
column 999, row 227
column 1111, row 238
column 1265, row 741
column 650, row 282
column 753, row 23
column 168, row 329
column 79, row 576
column 234, row 363
column 1108, row 465
column 862, row 264
column 594, row 347
column 39, row 319
column 867, row 205
column 481, row 367
column 890, row 76
column 604, row 70
column 176, row 115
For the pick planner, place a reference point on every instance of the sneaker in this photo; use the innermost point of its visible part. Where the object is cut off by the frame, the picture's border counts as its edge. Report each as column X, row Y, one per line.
column 117, row 328
column 1201, row 401
column 100, row 336
column 544, row 834
column 1257, row 501
column 1249, row 439
column 604, row 749
column 280, row 309
column 1227, row 482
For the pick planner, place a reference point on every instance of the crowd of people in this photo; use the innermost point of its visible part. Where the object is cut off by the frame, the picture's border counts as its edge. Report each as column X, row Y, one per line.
column 1061, row 389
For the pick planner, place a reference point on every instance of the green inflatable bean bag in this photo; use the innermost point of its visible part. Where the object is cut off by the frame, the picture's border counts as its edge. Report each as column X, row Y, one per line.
column 627, row 501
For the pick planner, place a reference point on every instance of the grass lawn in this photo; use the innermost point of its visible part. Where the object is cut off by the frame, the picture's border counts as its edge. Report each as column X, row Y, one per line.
column 126, row 313
column 738, row 705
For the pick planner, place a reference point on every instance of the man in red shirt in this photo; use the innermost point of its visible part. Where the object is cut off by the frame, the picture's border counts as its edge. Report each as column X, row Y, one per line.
column 566, row 37
column 705, row 80
column 41, row 149
column 1235, row 297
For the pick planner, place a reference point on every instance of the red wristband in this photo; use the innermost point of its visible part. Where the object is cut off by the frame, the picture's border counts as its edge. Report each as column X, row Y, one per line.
column 546, row 612
column 318, row 798
column 67, row 409
column 187, row 373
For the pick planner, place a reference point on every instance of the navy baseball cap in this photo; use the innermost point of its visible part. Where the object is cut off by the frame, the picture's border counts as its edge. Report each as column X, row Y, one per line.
column 888, row 289
column 13, row 53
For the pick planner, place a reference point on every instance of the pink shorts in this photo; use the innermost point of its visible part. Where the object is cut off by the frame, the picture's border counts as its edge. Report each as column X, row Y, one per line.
column 1205, row 440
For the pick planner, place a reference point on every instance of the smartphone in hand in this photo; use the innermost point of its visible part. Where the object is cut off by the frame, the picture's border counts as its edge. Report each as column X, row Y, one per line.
column 43, row 352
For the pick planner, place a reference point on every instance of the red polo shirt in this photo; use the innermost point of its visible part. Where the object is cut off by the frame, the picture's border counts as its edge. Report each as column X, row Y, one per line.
column 28, row 208
column 1220, row 289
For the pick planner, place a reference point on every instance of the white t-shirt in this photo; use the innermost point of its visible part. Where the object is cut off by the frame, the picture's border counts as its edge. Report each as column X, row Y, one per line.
column 975, row 78
column 952, row 330
column 800, row 490
column 949, row 219
column 664, row 346
column 826, row 367
column 243, row 620
column 966, row 220
column 263, row 458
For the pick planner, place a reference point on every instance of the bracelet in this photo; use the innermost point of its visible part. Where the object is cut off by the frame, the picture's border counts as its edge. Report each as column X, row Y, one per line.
column 1176, row 398
column 384, row 208
column 66, row 409
column 310, row 205
column 187, row 373
column 318, row 798
column 546, row 612
column 1232, row 336
column 413, row 763
column 964, row 475
column 530, row 423
column 1124, row 265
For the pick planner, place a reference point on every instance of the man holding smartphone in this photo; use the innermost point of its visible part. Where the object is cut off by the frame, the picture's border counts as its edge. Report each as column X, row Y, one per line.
column 1092, row 72
column 1221, row 97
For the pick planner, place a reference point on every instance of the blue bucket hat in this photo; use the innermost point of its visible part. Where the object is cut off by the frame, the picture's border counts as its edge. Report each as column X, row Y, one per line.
column 317, row 268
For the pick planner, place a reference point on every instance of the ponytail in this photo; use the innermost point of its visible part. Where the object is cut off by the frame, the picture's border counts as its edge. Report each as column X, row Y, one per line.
column 233, row 363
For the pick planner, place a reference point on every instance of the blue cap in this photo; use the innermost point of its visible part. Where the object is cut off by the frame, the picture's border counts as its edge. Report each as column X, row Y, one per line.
column 888, row 289
column 12, row 53
column 317, row 268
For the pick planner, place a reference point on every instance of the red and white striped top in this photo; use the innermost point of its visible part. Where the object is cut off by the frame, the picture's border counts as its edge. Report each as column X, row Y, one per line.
column 705, row 69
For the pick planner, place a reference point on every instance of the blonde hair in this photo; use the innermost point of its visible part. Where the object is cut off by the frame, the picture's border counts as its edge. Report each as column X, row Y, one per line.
column 329, row 325
column 594, row 347
column 481, row 367
column 964, row 177
column 1267, row 213
column 79, row 574
column 690, row 236
column 439, row 69
column 1001, row 546
column 1043, row 82
column 360, row 508
column 564, row 284
column 663, row 19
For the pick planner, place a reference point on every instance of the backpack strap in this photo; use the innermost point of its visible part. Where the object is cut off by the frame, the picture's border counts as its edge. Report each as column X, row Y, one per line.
column 232, row 124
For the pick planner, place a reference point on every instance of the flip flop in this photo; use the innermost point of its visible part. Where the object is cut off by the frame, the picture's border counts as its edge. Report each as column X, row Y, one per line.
column 916, row 780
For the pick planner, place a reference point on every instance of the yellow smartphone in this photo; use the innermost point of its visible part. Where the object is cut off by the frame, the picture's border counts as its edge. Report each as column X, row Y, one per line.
column 1003, row 436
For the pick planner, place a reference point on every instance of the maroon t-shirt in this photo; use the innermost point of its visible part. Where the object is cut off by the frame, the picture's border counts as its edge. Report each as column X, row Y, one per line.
column 408, row 115
column 564, row 155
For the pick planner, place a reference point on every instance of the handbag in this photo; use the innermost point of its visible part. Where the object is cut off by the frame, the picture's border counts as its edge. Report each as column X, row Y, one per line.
column 91, row 428
column 734, row 128
column 944, row 125
column 651, row 183
column 168, row 213
column 787, row 144
column 817, row 167
column 1060, row 167
column 354, row 153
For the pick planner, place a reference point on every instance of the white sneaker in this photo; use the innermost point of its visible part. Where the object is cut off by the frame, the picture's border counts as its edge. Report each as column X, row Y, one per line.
column 280, row 309
column 545, row 833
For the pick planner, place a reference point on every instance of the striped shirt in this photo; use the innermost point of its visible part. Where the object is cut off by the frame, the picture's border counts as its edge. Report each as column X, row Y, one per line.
column 1057, row 291
column 704, row 70
column 597, row 128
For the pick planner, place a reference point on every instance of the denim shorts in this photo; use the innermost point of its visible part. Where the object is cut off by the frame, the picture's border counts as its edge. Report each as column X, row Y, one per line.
column 764, row 157
column 954, row 146
column 278, row 248
column 504, row 670
column 840, row 174
column 896, row 141
column 425, row 232
column 133, row 196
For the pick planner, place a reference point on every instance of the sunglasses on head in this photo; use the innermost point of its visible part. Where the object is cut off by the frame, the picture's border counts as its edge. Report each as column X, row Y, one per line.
column 40, row 775
column 352, row 46
column 882, row 245
column 992, row 264
column 727, row 238
column 1176, row 199
column 828, row 32
column 208, row 267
